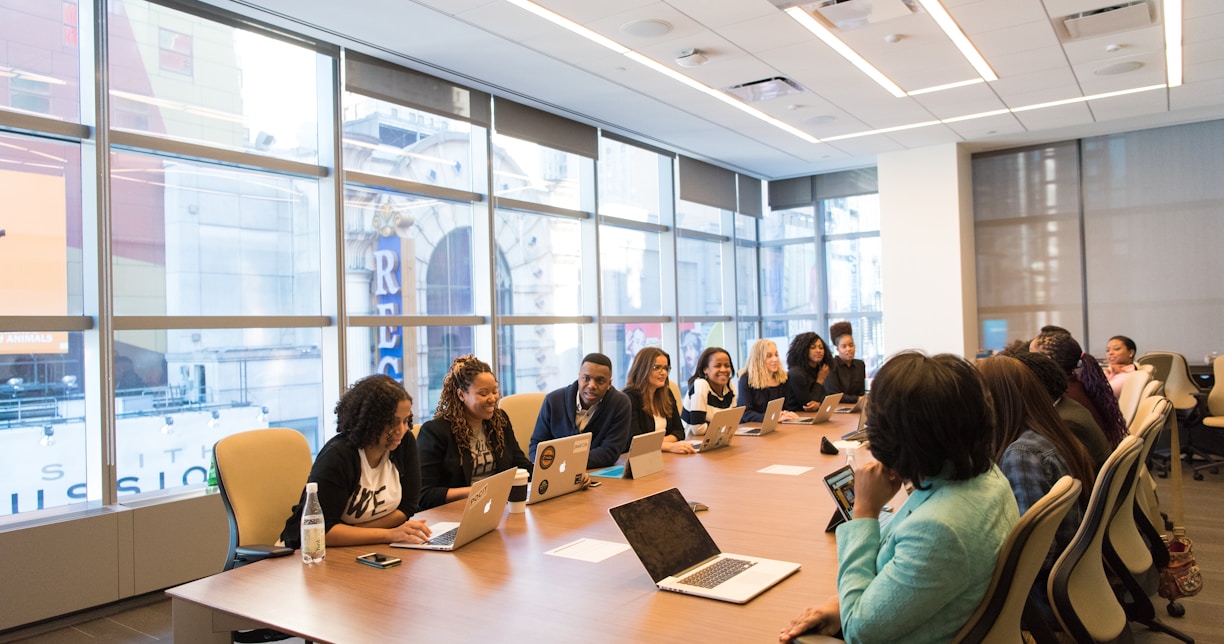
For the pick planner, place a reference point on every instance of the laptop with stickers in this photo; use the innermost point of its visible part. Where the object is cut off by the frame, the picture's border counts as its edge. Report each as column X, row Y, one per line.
column 680, row 555
column 482, row 513
column 645, row 458
column 559, row 466
column 720, row 431
column 773, row 411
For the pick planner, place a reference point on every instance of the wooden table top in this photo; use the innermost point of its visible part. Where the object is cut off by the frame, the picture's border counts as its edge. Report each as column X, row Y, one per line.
column 503, row 587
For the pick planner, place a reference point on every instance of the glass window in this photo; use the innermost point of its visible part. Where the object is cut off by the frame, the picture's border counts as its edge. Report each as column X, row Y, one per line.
column 541, row 357
column 200, row 239
column 396, row 141
column 531, row 172
column 40, row 58
column 789, row 224
column 699, row 217
column 419, row 357
column 695, row 337
column 790, row 279
column 407, row 254
column 699, row 276
column 854, row 275
column 621, row 342
column 631, row 270
column 187, row 389
column 211, row 83
column 43, row 457
column 632, row 182
column 539, row 264
column 747, row 277
column 857, row 214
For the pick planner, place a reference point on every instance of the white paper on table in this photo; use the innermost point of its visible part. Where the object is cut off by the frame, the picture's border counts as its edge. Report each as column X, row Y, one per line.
column 789, row 470
column 847, row 444
column 592, row 550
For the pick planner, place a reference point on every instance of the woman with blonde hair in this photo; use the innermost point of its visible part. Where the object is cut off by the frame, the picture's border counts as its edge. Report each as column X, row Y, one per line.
column 762, row 380
column 651, row 400
column 469, row 438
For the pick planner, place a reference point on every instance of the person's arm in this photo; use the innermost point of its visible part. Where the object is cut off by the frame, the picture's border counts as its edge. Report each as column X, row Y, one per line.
column 674, row 441
column 1030, row 476
column 800, row 391
column 391, row 528
column 434, row 444
column 613, row 439
column 754, row 407
column 821, row 620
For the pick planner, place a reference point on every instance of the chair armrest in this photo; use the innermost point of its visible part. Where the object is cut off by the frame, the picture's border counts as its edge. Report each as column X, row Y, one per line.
column 252, row 553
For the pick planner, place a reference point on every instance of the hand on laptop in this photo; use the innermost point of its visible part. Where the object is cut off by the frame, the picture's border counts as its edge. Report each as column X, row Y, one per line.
column 874, row 485
column 410, row 531
column 823, row 620
column 790, row 416
column 679, row 447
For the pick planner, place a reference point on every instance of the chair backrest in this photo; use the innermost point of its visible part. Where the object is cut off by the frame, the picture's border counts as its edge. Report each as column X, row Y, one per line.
column 1215, row 399
column 997, row 618
column 675, row 391
column 1079, row 589
column 1179, row 385
column 1154, row 387
column 261, row 474
column 1124, row 534
column 523, row 410
column 1132, row 392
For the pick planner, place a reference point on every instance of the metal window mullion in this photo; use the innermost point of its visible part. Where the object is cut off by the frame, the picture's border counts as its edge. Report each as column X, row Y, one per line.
column 337, row 334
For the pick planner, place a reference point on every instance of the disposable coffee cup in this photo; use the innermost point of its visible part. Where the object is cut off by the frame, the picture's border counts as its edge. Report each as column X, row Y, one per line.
column 518, row 493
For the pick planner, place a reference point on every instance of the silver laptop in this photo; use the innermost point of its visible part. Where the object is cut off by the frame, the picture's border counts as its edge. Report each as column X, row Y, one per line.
column 773, row 411
column 855, row 408
column 483, row 511
column 720, row 431
column 860, row 432
column 559, row 466
column 680, row 555
column 823, row 413
column 645, row 458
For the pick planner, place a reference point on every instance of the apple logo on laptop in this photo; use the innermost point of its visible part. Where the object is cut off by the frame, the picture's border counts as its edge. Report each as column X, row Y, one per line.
column 562, row 468
column 488, row 505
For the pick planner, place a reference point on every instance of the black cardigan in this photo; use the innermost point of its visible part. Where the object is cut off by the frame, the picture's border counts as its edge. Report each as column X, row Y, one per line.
column 441, row 469
column 644, row 423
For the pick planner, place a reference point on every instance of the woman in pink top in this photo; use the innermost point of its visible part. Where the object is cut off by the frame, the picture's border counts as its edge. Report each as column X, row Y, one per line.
column 1120, row 354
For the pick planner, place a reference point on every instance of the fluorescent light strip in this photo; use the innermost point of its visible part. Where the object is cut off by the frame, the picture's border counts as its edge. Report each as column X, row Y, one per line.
column 1085, row 99
column 940, row 88
column 958, row 38
column 979, row 115
column 886, row 130
column 1173, row 41
column 562, row 21
column 820, row 31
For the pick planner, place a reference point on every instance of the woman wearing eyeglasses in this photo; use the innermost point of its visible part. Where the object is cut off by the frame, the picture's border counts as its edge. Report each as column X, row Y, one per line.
column 469, row 438
column 368, row 473
column 651, row 399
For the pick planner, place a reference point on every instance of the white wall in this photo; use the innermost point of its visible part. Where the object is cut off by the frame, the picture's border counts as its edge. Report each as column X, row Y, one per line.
column 926, row 237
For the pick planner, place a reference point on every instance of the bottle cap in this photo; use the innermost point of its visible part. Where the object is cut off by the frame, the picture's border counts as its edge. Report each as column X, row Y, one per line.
column 312, row 487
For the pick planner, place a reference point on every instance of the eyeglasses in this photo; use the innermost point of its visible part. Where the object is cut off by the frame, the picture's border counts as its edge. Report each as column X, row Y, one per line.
column 660, row 367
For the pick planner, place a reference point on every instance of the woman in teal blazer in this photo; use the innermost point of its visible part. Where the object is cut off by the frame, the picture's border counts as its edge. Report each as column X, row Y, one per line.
column 919, row 576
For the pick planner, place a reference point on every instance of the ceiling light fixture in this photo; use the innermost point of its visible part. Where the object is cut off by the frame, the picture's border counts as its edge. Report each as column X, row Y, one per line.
column 1173, row 41
column 562, row 21
column 940, row 88
column 691, row 58
column 826, row 36
column 1085, row 99
column 958, row 38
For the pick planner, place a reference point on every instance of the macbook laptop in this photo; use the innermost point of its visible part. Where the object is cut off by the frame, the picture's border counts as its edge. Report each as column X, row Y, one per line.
column 680, row 555
column 772, row 412
column 481, row 514
column 645, row 458
column 559, row 466
column 720, row 431
column 860, row 432
column 855, row 408
column 822, row 413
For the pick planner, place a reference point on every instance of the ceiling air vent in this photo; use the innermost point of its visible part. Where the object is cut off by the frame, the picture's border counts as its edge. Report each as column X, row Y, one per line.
column 1108, row 20
column 852, row 14
column 764, row 89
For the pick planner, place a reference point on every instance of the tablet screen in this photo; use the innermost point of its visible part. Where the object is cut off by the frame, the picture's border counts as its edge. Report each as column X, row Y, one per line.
column 840, row 484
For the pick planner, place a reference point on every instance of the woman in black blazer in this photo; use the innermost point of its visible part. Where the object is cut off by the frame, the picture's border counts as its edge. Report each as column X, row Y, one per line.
column 652, row 402
column 469, row 438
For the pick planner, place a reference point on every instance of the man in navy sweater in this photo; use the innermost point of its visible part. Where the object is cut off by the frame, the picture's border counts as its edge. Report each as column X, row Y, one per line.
column 589, row 404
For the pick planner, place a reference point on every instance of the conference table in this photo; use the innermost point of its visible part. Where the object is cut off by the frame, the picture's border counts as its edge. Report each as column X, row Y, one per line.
column 503, row 587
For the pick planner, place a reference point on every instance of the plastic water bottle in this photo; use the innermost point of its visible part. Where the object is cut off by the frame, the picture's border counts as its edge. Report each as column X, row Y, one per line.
column 314, row 530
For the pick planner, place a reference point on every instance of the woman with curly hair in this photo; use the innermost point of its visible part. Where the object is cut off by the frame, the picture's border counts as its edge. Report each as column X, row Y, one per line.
column 762, row 380
column 368, row 474
column 651, row 400
column 1086, row 383
column 469, row 438
column 808, row 361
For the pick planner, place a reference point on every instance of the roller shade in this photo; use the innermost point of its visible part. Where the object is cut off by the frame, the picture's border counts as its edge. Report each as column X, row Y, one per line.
column 529, row 124
column 385, row 81
column 707, row 184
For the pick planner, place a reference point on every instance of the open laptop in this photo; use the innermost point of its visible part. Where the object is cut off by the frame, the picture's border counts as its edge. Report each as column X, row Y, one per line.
column 481, row 514
column 823, row 413
column 645, row 458
column 680, row 555
column 855, row 408
column 860, row 432
column 559, row 466
column 772, row 412
column 720, row 431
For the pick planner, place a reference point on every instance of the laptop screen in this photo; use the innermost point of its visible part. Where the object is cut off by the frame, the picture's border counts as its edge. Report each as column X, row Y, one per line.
column 665, row 533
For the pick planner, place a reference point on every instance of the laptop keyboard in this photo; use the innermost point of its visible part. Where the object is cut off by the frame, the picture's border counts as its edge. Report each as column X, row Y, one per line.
column 445, row 539
column 721, row 571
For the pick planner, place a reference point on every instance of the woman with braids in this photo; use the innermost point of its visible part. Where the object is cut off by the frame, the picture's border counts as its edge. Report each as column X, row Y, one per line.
column 368, row 475
column 469, row 438
column 1086, row 383
column 1034, row 449
column 808, row 362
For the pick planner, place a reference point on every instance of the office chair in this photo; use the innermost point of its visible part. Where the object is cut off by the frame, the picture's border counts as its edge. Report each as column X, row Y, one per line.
column 997, row 618
column 1208, row 440
column 1080, row 594
column 261, row 474
column 523, row 410
column 1171, row 369
column 1132, row 393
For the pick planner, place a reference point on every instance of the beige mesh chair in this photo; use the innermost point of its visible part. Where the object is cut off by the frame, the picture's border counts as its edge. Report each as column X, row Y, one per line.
column 523, row 410
column 1171, row 369
column 1132, row 393
column 261, row 475
column 1213, row 423
column 997, row 618
column 1080, row 594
